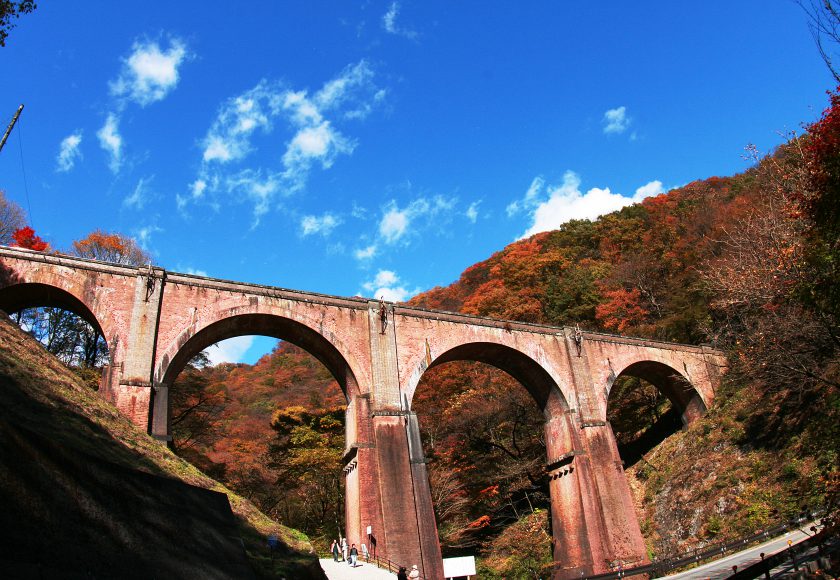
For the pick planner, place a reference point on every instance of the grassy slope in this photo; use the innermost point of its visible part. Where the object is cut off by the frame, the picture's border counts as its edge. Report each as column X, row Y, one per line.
column 39, row 394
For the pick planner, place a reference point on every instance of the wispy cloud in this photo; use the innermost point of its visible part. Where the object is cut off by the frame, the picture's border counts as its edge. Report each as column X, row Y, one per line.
column 551, row 206
column 111, row 141
column 314, row 141
column 386, row 286
column 148, row 74
column 396, row 222
column 140, row 196
column 322, row 225
column 69, row 151
column 616, row 120
column 144, row 236
column 366, row 253
column 389, row 22
column 472, row 211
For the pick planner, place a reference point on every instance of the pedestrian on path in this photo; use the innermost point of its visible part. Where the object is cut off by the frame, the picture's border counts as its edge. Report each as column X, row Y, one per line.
column 344, row 549
column 334, row 550
column 354, row 554
column 402, row 575
column 415, row 573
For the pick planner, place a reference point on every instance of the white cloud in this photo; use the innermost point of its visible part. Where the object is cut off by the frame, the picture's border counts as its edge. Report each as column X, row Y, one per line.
column 616, row 120
column 314, row 140
column 533, row 191
column 389, row 22
column 193, row 271
column 148, row 74
column 386, row 286
column 651, row 189
column 232, row 350
column 365, row 253
column 69, row 151
column 395, row 222
column 144, row 236
column 323, row 225
column 472, row 211
column 229, row 137
column 550, row 207
column 138, row 198
column 111, row 141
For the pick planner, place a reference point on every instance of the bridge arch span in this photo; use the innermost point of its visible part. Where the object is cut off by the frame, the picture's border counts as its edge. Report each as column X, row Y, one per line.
column 25, row 295
column 233, row 323
column 682, row 376
column 533, row 376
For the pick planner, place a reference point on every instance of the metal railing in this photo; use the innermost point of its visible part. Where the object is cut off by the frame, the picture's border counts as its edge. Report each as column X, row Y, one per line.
column 662, row 566
column 386, row 564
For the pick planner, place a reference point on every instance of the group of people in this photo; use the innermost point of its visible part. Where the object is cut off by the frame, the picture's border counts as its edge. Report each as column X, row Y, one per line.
column 339, row 550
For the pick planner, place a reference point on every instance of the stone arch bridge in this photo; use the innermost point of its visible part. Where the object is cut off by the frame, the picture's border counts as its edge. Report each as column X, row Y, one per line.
column 155, row 321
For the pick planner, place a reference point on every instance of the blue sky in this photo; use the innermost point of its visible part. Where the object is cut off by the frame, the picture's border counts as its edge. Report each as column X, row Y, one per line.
column 380, row 148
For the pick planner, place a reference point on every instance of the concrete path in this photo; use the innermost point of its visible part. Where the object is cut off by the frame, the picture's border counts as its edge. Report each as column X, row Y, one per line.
column 362, row 571
column 723, row 568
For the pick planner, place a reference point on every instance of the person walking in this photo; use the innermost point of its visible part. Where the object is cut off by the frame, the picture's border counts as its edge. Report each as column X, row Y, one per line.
column 354, row 555
column 402, row 575
column 334, row 550
column 415, row 573
column 344, row 549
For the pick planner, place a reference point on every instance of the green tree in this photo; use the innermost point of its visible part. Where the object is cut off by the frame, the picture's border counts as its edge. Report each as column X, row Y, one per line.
column 9, row 10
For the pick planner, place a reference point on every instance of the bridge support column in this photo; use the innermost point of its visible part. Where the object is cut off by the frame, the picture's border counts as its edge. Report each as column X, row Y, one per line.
column 133, row 394
column 611, row 521
column 576, row 522
column 624, row 537
column 409, row 531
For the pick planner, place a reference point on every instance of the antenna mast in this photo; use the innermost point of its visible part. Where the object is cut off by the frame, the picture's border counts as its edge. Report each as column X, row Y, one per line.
column 9, row 128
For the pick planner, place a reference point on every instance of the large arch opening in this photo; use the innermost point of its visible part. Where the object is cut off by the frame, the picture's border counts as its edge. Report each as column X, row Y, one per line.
column 648, row 402
column 482, row 409
column 274, row 430
column 63, row 324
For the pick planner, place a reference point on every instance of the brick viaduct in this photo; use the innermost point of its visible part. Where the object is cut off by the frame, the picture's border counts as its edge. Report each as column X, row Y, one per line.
column 155, row 321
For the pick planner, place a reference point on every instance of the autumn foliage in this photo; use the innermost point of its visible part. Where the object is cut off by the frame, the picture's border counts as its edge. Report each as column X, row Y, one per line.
column 748, row 263
column 26, row 237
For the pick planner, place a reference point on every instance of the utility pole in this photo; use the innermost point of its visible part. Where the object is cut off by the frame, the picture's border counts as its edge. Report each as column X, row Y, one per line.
column 9, row 128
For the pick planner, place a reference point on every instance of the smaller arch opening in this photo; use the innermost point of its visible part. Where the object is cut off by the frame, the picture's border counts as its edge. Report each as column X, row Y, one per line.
column 63, row 324
column 648, row 402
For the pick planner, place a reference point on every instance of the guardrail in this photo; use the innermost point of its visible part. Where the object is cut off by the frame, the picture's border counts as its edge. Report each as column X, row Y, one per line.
column 663, row 566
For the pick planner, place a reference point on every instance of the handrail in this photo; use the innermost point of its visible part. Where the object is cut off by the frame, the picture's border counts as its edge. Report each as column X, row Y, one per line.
column 386, row 564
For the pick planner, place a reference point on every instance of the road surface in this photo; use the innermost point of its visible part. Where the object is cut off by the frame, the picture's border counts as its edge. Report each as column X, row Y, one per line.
column 723, row 568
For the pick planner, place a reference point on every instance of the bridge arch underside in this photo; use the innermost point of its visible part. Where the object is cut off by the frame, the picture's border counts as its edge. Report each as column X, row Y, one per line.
column 530, row 374
column 274, row 326
column 674, row 385
column 19, row 297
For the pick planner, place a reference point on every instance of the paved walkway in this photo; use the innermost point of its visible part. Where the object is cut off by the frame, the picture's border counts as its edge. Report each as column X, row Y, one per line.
column 362, row 571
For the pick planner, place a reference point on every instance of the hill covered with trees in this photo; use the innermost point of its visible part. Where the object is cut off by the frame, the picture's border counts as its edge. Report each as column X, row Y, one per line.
column 748, row 263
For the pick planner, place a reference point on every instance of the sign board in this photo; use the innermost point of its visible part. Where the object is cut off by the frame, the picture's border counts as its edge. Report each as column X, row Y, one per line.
column 456, row 567
column 369, row 530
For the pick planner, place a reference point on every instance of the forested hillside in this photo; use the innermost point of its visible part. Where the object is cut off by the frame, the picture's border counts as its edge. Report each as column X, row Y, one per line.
column 747, row 263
